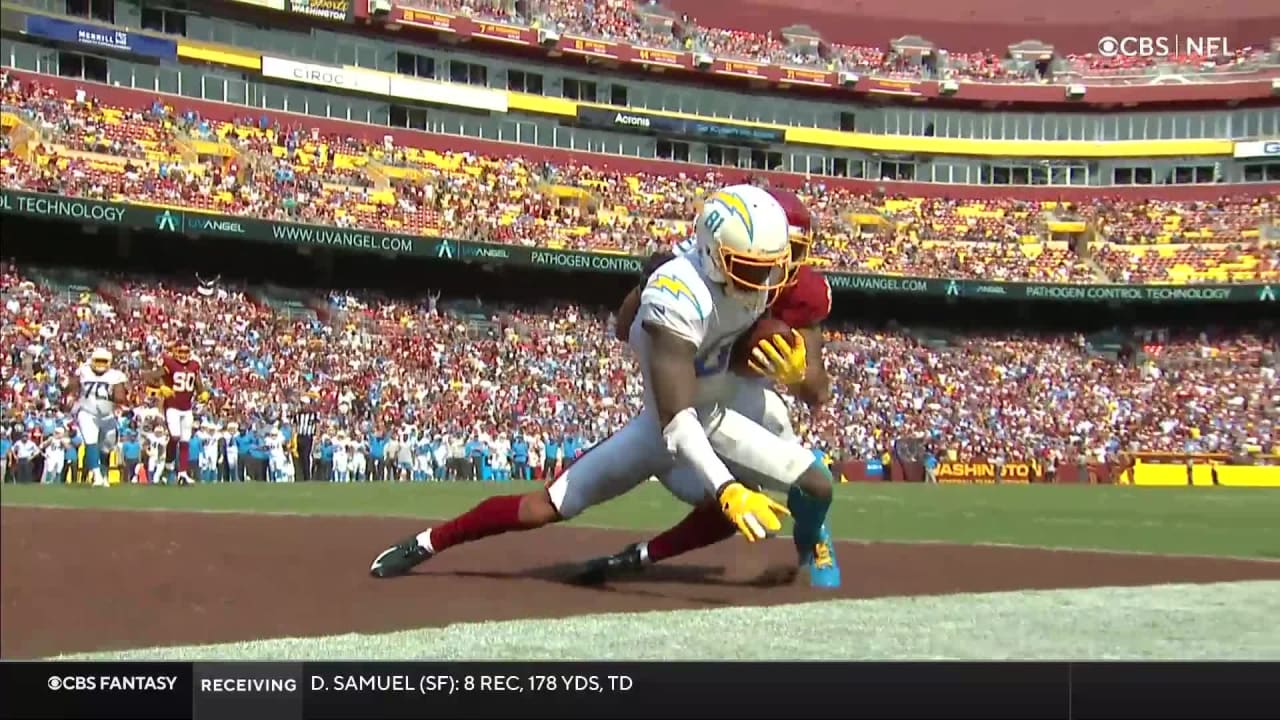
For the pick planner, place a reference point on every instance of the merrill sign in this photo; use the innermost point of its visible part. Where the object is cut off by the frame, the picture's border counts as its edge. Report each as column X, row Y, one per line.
column 117, row 39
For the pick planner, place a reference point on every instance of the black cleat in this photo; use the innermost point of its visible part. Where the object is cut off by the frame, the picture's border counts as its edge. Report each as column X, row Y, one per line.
column 399, row 559
column 597, row 570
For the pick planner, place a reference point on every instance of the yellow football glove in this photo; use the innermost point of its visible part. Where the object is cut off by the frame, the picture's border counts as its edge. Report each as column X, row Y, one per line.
column 783, row 362
column 754, row 513
column 204, row 396
column 166, row 391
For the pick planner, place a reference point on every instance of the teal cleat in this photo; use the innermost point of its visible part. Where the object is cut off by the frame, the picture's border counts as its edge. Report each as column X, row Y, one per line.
column 820, row 558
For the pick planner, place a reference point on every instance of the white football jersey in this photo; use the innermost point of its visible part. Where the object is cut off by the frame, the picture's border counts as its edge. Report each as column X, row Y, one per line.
column 96, row 390
column 274, row 443
column 678, row 297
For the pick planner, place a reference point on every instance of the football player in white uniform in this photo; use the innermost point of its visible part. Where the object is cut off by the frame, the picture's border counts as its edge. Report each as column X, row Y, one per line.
column 157, row 442
column 797, row 366
column 341, row 473
column 280, row 467
column 55, row 456
column 96, row 390
column 692, row 311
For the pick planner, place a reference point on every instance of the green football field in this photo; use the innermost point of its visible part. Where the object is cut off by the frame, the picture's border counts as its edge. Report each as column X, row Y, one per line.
column 1225, row 620
column 1238, row 522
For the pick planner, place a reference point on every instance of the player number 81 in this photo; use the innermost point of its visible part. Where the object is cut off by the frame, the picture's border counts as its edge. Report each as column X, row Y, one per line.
column 713, row 221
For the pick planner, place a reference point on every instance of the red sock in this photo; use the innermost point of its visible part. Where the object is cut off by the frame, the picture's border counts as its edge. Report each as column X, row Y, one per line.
column 184, row 456
column 493, row 516
column 171, row 452
column 704, row 525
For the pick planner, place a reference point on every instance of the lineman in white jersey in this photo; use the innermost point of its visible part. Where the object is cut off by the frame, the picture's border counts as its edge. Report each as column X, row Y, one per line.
column 692, row 311
column 96, row 390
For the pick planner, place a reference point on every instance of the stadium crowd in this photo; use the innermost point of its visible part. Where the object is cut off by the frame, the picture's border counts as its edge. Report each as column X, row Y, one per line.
column 86, row 149
column 430, row 388
column 646, row 23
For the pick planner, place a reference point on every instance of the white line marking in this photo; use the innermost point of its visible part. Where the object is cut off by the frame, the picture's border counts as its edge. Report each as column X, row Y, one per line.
column 589, row 526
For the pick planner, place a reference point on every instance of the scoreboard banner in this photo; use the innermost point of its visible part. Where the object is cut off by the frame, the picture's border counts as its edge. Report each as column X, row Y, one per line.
column 619, row 690
column 338, row 10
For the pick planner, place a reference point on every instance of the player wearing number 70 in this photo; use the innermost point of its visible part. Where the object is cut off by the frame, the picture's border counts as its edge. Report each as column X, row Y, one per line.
column 692, row 311
column 179, row 383
column 95, row 391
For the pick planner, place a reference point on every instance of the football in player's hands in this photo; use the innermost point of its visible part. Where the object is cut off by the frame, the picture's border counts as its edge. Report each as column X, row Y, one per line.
column 765, row 328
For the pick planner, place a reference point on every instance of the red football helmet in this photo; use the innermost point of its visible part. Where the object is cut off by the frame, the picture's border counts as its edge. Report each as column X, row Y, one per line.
column 801, row 222
column 181, row 349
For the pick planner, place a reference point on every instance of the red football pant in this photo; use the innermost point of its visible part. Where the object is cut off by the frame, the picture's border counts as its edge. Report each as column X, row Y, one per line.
column 704, row 525
column 180, row 455
column 493, row 516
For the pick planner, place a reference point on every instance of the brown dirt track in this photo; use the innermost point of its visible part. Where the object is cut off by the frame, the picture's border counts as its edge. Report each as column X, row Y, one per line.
column 81, row 580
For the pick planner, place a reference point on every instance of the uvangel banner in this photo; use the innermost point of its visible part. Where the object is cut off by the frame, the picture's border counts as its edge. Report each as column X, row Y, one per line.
column 178, row 221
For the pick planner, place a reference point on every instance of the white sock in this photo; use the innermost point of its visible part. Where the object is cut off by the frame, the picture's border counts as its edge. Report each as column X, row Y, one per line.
column 424, row 539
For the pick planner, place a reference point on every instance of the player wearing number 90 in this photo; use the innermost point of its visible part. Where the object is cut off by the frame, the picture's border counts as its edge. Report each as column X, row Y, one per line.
column 178, row 379
column 95, row 391
column 692, row 310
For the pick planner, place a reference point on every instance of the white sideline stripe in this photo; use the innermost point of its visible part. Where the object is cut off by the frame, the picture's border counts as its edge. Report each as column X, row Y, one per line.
column 591, row 526
column 1218, row 621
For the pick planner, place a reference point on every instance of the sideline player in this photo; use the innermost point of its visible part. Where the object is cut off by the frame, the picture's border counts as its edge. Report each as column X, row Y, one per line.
column 95, row 391
column 804, row 303
column 178, row 378
column 692, row 311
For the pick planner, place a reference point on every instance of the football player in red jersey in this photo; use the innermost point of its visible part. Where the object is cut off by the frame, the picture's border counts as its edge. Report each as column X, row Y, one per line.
column 804, row 303
column 178, row 378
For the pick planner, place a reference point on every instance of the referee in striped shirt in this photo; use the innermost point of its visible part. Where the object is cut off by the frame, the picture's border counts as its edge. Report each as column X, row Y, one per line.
column 305, row 425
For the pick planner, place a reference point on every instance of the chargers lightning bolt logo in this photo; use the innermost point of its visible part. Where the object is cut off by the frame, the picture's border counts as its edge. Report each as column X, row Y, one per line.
column 736, row 206
column 676, row 287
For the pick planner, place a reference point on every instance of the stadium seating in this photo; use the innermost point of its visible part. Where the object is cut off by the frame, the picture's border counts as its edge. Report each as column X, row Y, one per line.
column 621, row 20
column 169, row 155
column 365, row 361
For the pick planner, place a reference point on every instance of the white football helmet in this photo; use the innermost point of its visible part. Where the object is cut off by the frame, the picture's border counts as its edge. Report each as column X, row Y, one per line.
column 100, row 360
column 744, row 242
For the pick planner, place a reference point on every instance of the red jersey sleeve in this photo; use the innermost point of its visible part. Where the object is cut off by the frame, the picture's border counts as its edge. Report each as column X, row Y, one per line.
column 807, row 303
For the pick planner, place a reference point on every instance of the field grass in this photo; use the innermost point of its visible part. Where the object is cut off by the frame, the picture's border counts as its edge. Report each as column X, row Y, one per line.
column 1193, row 521
column 1224, row 621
